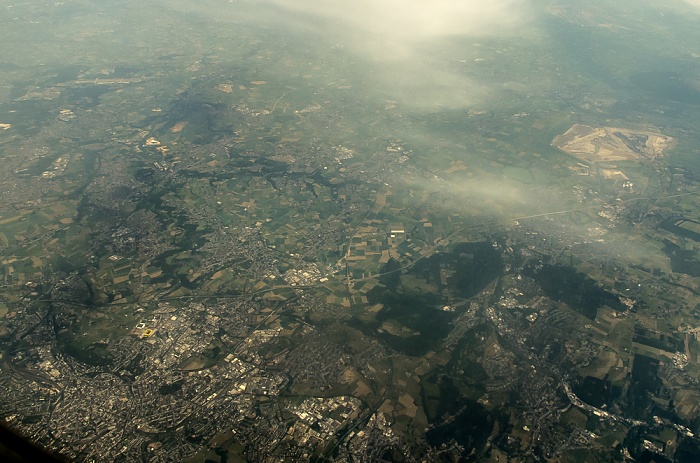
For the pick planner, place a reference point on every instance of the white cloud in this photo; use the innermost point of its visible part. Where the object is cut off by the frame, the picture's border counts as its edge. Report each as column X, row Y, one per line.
column 399, row 37
column 413, row 21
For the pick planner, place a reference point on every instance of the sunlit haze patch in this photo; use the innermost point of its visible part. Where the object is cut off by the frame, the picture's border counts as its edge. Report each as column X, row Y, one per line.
column 399, row 38
column 395, row 22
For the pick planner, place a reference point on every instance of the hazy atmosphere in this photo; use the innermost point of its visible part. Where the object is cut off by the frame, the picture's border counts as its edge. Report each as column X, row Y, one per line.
column 351, row 231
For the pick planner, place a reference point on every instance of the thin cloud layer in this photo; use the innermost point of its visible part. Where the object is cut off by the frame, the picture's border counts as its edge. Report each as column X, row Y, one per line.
column 406, row 22
column 416, row 20
column 398, row 38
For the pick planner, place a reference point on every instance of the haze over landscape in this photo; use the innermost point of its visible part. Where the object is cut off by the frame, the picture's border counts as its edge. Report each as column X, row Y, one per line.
column 351, row 231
